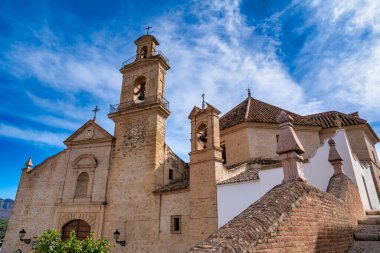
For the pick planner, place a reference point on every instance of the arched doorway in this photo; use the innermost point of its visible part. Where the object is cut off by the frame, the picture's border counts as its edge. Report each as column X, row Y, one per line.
column 81, row 228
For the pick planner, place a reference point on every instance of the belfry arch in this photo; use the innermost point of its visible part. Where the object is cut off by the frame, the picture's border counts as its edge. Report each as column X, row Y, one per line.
column 139, row 89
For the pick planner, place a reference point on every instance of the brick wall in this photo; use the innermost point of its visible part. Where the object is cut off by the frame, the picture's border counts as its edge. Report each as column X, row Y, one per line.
column 293, row 217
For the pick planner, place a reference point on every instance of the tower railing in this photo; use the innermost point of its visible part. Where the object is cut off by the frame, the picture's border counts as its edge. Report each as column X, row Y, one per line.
column 137, row 57
column 152, row 100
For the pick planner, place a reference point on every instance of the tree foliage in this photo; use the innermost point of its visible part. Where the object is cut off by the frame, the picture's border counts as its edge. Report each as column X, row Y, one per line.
column 50, row 242
column 3, row 228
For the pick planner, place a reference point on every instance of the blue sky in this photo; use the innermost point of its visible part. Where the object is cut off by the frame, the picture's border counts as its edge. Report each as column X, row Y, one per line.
column 58, row 59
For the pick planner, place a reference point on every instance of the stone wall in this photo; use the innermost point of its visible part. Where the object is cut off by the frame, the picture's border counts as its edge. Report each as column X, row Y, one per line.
column 247, row 142
column 34, row 207
column 237, row 146
column 293, row 217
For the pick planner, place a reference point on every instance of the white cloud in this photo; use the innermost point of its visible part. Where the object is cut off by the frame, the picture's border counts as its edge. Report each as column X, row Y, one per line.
column 43, row 137
column 216, row 53
column 211, row 55
column 80, row 67
column 342, row 57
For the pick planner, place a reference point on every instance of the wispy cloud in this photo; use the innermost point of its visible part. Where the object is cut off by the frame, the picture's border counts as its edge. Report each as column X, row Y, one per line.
column 213, row 50
column 341, row 57
column 219, row 54
column 44, row 137
column 81, row 67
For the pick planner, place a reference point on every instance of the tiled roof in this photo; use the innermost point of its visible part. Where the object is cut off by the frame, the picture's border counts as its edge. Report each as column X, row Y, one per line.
column 253, row 110
column 261, row 161
column 247, row 175
column 173, row 186
column 332, row 119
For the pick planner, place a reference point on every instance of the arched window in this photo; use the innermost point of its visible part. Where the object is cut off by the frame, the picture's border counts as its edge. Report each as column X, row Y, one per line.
column 139, row 89
column 82, row 185
column 202, row 137
column 144, row 52
column 81, row 228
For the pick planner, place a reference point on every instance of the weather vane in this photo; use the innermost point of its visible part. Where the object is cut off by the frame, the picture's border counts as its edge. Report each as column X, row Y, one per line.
column 203, row 101
column 147, row 29
column 95, row 110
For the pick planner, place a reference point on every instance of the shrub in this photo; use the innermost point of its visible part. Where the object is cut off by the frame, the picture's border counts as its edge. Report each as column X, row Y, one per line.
column 50, row 242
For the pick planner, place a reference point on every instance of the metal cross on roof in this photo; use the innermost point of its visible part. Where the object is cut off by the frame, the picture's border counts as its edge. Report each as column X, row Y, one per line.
column 95, row 110
column 203, row 101
column 147, row 29
column 249, row 92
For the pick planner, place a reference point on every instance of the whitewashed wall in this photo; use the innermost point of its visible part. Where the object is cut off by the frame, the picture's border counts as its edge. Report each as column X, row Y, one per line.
column 235, row 197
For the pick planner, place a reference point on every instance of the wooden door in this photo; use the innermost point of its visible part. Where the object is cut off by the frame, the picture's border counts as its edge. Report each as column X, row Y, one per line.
column 81, row 228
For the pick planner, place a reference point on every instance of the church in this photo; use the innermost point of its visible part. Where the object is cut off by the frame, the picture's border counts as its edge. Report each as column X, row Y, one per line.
column 132, row 189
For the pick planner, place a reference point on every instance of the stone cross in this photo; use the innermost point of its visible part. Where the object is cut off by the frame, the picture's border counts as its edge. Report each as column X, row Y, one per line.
column 95, row 110
column 290, row 149
column 334, row 158
column 147, row 29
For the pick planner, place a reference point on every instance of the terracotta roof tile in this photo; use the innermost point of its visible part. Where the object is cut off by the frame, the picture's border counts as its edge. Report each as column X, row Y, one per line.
column 253, row 110
column 179, row 185
column 261, row 161
column 247, row 175
column 331, row 119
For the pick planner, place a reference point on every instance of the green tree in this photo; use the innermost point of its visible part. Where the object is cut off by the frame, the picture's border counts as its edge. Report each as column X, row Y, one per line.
column 3, row 229
column 50, row 242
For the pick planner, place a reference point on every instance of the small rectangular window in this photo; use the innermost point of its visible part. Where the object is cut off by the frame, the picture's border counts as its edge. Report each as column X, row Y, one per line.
column 175, row 224
column 277, row 137
column 224, row 154
column 170, row 174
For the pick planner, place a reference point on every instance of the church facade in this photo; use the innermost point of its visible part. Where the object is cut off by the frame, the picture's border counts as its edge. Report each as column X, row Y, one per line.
column 132, row 185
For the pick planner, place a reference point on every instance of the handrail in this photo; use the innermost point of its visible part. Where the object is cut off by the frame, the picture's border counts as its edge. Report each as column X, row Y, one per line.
column 158, row 99
column 136, row 57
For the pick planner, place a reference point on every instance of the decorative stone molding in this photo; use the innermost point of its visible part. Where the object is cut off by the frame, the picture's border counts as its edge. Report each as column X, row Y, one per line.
column 84, row 161
column 134, row 136
column 64, row 218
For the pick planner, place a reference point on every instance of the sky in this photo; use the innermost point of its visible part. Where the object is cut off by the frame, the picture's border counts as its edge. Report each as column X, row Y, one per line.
column 59, row 59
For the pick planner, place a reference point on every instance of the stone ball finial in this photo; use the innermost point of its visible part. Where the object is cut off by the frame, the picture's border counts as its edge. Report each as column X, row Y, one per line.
column 283, row 117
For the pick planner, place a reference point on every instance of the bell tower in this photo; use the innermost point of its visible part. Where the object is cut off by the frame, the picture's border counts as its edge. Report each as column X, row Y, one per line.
column 138, row 154
column 144, row 74
column 206, row 169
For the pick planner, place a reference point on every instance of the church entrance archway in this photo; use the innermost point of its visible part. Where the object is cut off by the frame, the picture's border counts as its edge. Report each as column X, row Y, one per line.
column 81, row 228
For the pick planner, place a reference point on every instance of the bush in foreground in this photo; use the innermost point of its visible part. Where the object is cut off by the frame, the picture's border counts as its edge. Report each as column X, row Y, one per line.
column 50, row 242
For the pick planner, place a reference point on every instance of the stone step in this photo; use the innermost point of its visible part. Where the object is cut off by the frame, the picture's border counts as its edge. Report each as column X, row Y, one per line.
column 372, row 212
column 367, row 233
column 364, row 247
column 370, row 220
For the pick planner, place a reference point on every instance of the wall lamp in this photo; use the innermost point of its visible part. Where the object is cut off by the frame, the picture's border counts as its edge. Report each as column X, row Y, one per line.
column 116, row 236
column 21, row 234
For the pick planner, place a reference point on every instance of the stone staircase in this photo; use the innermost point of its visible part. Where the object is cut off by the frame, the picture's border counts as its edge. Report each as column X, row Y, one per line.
column 367, row 234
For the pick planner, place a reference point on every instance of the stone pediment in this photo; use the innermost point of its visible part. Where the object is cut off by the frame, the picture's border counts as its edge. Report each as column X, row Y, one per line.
column 90, row 132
